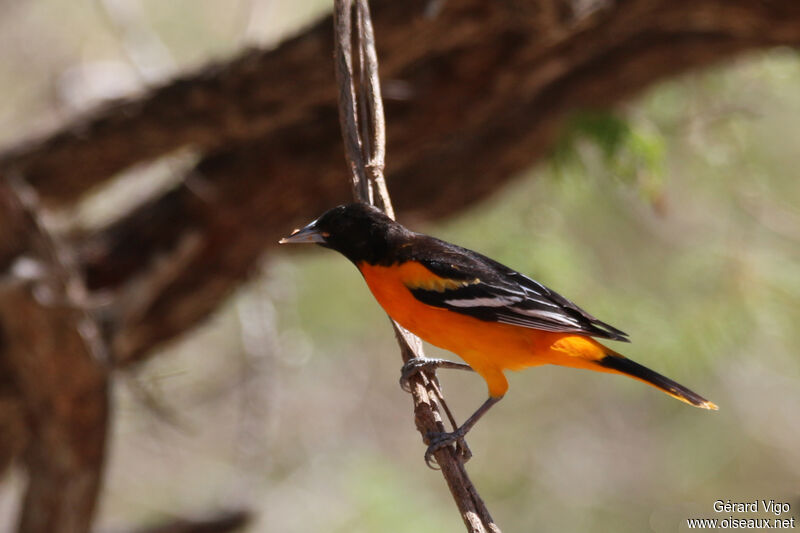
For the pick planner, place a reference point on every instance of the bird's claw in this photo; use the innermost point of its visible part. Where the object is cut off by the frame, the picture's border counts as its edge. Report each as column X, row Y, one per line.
column 410, row 368
column 440, row 440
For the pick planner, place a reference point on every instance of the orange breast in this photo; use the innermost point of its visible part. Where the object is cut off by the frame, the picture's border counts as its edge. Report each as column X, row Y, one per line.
column 488, row 347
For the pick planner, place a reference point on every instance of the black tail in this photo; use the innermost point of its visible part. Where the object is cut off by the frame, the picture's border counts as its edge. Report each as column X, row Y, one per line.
column 624, row 365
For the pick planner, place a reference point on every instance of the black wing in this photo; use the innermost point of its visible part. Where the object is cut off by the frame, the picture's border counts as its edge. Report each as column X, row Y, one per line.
column 490, row 291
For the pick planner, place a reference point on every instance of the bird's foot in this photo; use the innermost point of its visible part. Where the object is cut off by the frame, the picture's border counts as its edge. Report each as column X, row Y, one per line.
column 417, row 364
column 437, row 441
column 412, row 367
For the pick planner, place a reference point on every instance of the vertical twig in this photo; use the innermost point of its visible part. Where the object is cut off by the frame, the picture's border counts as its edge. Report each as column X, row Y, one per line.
column 343, row 49
column 373, row 118
column 363, row 128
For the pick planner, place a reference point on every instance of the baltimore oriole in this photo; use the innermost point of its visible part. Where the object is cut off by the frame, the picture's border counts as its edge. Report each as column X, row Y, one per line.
column 493, row 317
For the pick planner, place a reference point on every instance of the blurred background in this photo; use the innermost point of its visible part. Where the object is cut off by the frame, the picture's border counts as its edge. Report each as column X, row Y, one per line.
column 676, row 219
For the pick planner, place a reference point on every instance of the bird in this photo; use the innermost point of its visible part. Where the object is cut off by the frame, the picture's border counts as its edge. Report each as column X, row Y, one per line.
column 491, row 316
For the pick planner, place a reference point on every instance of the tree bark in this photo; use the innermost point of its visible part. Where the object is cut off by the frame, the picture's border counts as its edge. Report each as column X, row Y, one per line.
column 475, row 64
column 52, row 353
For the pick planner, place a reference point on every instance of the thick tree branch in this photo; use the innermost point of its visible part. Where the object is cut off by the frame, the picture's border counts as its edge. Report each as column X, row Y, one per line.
column 481, row 55
column 235, row 202
column 53, row 353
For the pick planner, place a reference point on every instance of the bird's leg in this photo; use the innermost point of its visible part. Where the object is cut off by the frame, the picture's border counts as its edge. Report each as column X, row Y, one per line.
column 418, row 364
column 440, row 440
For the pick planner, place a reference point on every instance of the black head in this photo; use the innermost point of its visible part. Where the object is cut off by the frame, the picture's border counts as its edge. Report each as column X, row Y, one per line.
column 360, row 232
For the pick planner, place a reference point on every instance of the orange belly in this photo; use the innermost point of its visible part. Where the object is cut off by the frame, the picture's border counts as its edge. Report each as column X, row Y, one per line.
column 488, row 347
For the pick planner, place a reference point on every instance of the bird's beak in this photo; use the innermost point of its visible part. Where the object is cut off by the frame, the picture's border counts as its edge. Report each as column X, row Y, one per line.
column 305, row 235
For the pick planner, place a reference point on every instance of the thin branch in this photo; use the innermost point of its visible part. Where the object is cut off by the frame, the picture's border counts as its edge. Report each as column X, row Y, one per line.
column 370, row 82
column 342, row 20
column 365, row 153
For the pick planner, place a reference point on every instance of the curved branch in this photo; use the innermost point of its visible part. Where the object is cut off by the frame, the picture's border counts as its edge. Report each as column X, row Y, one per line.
column 474, row 55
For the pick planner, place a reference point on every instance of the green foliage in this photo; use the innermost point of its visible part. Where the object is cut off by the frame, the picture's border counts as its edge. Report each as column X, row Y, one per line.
column 607, row 130
column 603, row 142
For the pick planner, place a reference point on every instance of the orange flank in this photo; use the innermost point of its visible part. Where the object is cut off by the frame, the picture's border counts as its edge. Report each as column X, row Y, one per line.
column 488, row 347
